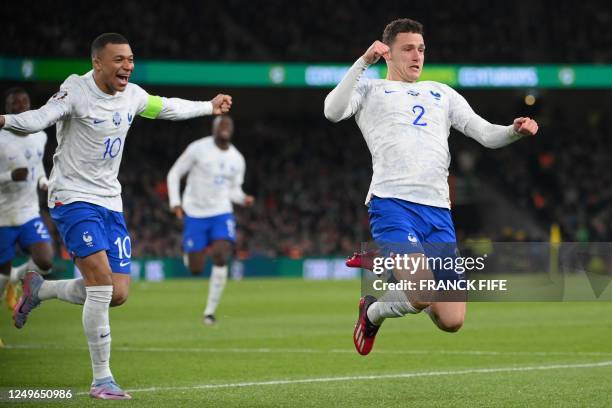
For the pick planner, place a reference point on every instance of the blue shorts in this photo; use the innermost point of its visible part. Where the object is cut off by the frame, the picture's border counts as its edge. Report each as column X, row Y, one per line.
column 198, row 233
column 89, row 228
column 409, row 227
column 25, row 235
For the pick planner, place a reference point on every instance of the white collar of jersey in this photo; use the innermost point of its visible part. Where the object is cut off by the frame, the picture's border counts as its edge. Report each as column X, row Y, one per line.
column 95, row 89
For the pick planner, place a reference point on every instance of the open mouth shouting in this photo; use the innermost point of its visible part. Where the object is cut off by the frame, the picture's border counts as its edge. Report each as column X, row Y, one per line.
column 123, row 79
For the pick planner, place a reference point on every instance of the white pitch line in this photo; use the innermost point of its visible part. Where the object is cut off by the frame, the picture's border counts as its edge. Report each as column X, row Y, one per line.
column 374, row 377
column 309, row 350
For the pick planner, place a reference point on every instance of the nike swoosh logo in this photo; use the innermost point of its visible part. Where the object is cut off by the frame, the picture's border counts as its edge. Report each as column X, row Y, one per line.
column 388, row 92
column 105, row 335
column 122, row 263
column 12, row 158
column 98, row 121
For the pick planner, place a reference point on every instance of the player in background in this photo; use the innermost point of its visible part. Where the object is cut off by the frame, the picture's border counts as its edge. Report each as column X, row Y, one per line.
column 21, row 175
column 93, row 113
column 215, row 173
column 406, row 125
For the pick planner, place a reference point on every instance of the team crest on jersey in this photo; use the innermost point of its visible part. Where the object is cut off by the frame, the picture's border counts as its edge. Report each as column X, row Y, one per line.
column 116, row 118
column 27, row 154
column 130, row 117
column 436, row 95
column 39, row 153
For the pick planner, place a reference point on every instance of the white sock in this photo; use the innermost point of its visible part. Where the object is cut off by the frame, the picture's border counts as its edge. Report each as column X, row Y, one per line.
column 18, row 272
column 68, row 290
column 3, row 281
column 393, row 303
column 97, row 329
column 218, row 277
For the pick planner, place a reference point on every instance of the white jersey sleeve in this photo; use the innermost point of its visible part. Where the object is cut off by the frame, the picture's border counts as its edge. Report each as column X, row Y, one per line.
column 236, row 194
column 159, row 107
column 58, row 107
column 180, row 168
column 345, row 99
column 465, row 120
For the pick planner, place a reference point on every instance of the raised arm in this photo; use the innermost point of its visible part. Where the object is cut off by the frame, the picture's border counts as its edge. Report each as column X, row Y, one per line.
column 181, row 167
column 345, row 99
column 466, row 121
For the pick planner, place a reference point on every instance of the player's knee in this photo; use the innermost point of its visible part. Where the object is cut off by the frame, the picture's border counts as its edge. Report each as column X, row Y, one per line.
column 195, row 269
column 450, row 326
column 221, row 252
column 44, row 263
column 120, row 296
column 43, row 258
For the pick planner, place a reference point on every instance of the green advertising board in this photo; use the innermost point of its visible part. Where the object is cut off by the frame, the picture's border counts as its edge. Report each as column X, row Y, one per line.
column 198, row 73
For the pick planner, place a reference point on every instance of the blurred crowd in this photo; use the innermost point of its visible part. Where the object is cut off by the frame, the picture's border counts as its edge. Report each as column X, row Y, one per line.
column 309, row 177
column 470, row 31
column 565, row 177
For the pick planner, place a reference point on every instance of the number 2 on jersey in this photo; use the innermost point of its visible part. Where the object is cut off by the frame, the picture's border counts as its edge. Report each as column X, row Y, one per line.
column 421, row 111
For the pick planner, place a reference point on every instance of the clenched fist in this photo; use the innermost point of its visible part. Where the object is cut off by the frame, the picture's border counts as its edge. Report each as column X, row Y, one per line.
column 377, row 49
column 221, row 104
column 525, row 126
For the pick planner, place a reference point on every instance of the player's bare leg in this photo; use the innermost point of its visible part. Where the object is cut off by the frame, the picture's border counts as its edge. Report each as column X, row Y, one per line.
column 42, row 255
column 196, row 261
column 448, row 316
column 220, row 252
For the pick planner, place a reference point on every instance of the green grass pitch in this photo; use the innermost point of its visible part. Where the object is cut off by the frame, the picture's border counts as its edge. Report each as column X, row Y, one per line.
column 288, row 343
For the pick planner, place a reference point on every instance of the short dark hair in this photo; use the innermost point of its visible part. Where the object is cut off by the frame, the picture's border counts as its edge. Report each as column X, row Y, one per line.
column 106, row 38
column 14, row 91
column 401, row 25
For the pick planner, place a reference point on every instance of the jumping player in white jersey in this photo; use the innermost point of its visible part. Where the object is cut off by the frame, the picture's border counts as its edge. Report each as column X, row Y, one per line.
column 93, row 113
column 21, row 175
column 406, row 126
column 215, row 173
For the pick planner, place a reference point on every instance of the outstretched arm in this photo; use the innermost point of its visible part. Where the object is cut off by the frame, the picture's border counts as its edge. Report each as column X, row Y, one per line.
column 345, row 99
column 465, row 120
column 56, row 108
column 157, row 107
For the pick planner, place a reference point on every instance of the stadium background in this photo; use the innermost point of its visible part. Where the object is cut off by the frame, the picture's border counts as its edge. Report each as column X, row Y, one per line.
column 310, row 177
column 286, row 342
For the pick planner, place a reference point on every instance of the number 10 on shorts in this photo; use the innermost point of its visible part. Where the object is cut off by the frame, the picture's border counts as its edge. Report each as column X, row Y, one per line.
column 124, row 246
